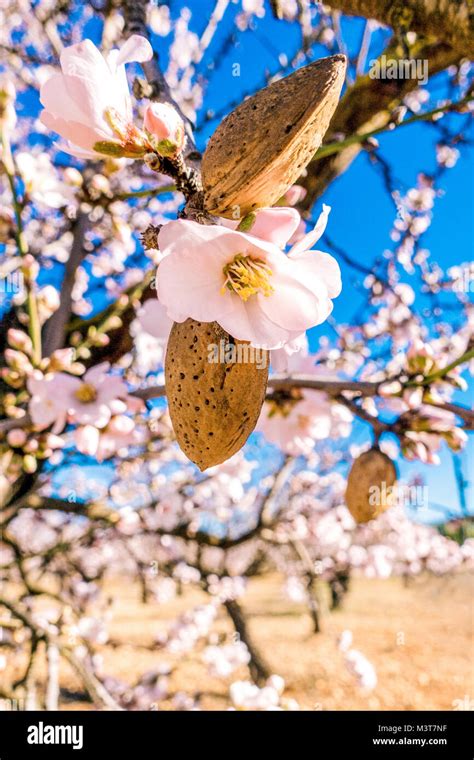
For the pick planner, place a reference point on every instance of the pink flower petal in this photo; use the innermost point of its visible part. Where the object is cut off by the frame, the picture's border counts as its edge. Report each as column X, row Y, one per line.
column 292, row 305
column 153, row 319
column 56, row 99
column 83, row 58
column 307, row 242
column 80, row 134
column 276, row 225
column 136, row 48
column 317, row 265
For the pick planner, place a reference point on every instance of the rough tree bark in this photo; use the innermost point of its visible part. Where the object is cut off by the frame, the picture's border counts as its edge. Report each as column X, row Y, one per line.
column 449, row 20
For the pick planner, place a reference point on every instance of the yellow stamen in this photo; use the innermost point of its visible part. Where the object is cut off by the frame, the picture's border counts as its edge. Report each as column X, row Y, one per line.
column 246, row 277
column 86, row 393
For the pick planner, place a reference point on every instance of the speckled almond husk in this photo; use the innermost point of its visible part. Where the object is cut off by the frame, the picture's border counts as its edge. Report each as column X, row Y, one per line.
column 261, row 148
column 213, row 406
column 371, row 470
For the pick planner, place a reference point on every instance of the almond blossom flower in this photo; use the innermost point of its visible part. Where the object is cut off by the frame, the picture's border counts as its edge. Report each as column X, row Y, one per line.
column 249, row 286
column 89, row 103
column 293, row 420
column 428, row 430
column 58, row 398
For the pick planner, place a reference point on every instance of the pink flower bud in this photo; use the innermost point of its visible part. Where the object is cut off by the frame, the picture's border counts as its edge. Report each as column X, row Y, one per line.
column 165, row 127
column 61, row 359
column 120, row 424
column 30, row 267
column 20, row 340
column 72, row 176
column 294, row 195
column 16, row 437
column 18, row 361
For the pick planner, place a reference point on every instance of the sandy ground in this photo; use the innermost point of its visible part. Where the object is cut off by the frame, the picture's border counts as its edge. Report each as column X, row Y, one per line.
column 418, row 637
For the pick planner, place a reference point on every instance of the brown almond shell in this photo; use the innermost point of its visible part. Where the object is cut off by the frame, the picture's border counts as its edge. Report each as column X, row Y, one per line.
column 214, row 406
column 368, row 492
column 261, row 148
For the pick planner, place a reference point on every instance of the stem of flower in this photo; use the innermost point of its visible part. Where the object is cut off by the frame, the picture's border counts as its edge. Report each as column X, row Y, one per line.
column 144, row 193
column 466, row 357
column 335, row 147
column 34, row 325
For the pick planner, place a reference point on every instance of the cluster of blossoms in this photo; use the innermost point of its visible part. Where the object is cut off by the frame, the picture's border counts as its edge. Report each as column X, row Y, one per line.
column 223, row 660
column 62, row 393
column 245, row 695
column 294, row 419
column 187, row 630
column 392, row 545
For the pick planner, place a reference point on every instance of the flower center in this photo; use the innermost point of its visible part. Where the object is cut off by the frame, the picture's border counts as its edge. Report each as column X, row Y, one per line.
column 246, row 277
column 86, row 393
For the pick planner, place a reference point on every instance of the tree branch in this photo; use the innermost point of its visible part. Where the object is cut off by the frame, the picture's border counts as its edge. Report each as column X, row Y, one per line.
column 55, row 327
column 449, row 20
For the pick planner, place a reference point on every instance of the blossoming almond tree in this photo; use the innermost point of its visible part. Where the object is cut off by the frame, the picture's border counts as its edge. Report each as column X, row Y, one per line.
column 123, row 265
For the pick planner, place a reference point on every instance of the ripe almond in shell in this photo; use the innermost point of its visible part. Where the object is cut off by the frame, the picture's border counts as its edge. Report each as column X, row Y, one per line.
column 213, row 405
column 369, row 491
column 261, row 148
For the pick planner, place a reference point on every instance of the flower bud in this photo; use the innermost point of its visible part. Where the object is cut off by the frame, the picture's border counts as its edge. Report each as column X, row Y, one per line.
column 48, row 302
column 11, row 378
column 18, row 361
column 420, row 358
column 72, row 176
column 29, row 463
column 20, row 340
column 54, row 441
column 165, row 128
column 29, row 268
column 100, row 184
column 31, row 446
column 16, row 437
column 61, row 359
